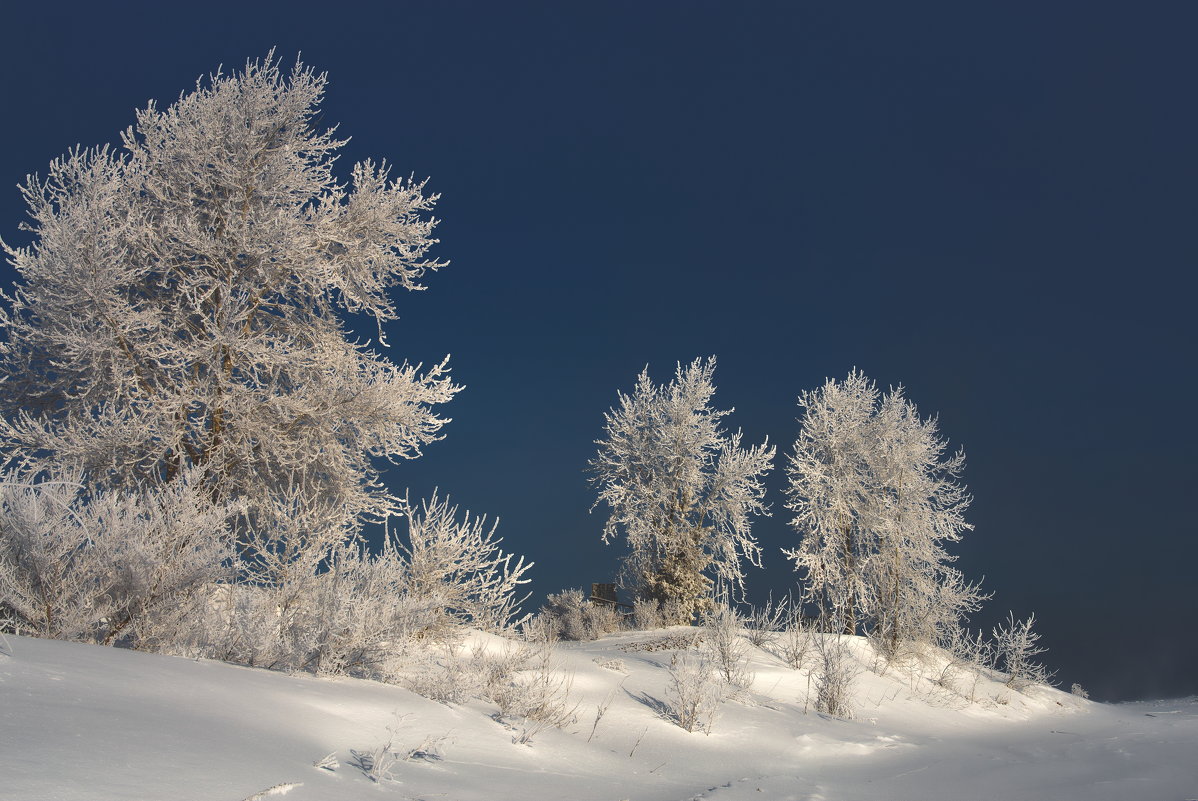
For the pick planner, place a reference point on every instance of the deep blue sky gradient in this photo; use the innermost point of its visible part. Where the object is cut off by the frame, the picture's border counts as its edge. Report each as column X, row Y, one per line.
column 992, row 206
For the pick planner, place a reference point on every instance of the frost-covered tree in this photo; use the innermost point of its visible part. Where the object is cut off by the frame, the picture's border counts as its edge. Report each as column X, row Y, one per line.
column 876, row 499
column 182, row 306
column 831, row 493
column 918, row 595
column 681, row 490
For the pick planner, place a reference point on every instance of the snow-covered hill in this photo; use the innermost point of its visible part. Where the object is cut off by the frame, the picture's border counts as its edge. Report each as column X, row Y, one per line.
column 91, row 723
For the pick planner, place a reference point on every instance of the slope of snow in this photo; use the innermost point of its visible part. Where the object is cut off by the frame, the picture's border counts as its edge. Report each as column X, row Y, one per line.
column 91, row 723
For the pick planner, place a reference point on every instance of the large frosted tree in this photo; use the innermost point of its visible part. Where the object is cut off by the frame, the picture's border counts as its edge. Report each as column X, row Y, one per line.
column 919, row 595
column 681, row 489
column 183, row 307
column 831, row 493
column 876, row 498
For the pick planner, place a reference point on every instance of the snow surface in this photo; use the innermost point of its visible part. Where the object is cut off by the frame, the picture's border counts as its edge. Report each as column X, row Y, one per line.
column 91, row 723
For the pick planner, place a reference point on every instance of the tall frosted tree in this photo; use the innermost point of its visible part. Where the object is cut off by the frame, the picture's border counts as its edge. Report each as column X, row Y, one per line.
column 681, row 489
column 919, row 595
column 876, row 498
column 831, row 492
column 182, row 308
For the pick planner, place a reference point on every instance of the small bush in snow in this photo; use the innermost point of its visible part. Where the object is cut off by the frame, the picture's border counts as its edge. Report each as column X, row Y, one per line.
column 570, row 616
column 605, row 619
column 1079, row 691
column 328, row 762
column 430, row 749
column 445, row 680
column 794, row 644
column 649, row 614
column 538, row 629
column 534, row 699
column 379, row 763
column 764, row 623
column 356, row 616
column 646, row 614
column 152, row 570
column 834, row 682
column 458, row 562
column 1016, row 646
column 453, row 678
column 968, row 659
column 695, row 692
column 725, row 646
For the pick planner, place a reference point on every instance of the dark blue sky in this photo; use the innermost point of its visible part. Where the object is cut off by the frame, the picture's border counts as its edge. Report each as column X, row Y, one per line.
column 993, row 206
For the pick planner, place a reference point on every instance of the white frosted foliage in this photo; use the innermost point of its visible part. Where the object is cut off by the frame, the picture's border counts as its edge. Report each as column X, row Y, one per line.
column 183, row 305
column 876, row 498
column 681, row 489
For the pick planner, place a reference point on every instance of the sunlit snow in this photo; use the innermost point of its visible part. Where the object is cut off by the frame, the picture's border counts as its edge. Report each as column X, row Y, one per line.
column 87, row 722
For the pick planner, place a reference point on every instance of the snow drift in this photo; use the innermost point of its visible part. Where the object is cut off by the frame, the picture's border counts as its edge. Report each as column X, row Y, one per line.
column 87, row 722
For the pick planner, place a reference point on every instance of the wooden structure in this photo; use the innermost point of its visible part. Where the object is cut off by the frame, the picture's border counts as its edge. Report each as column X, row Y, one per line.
column 606, row 594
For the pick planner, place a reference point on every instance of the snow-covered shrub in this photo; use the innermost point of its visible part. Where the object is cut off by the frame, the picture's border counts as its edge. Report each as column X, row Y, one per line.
column 241, row 623
column 605, row 619
column 570, row 616
column 834, row 682
column 646, row 614
column 494, row 671
column 443, row 672
column 444, row 676
column 359, row 614
column 378, row 763
column 353, row 612
column 51, row 582
column 649, row 614
column 968, row 658
column 794, row 643
column 562, row 615
column 695, row 692
column 130, row 567
column 460, row 565
column 889, row 650
column 763, row 623
column 725, row 646
column 429, row 749
column 1016, row 646
column 601, row 710
column 1079, row 691
column 328, row 762
column 538, row 629
column 535, row 698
